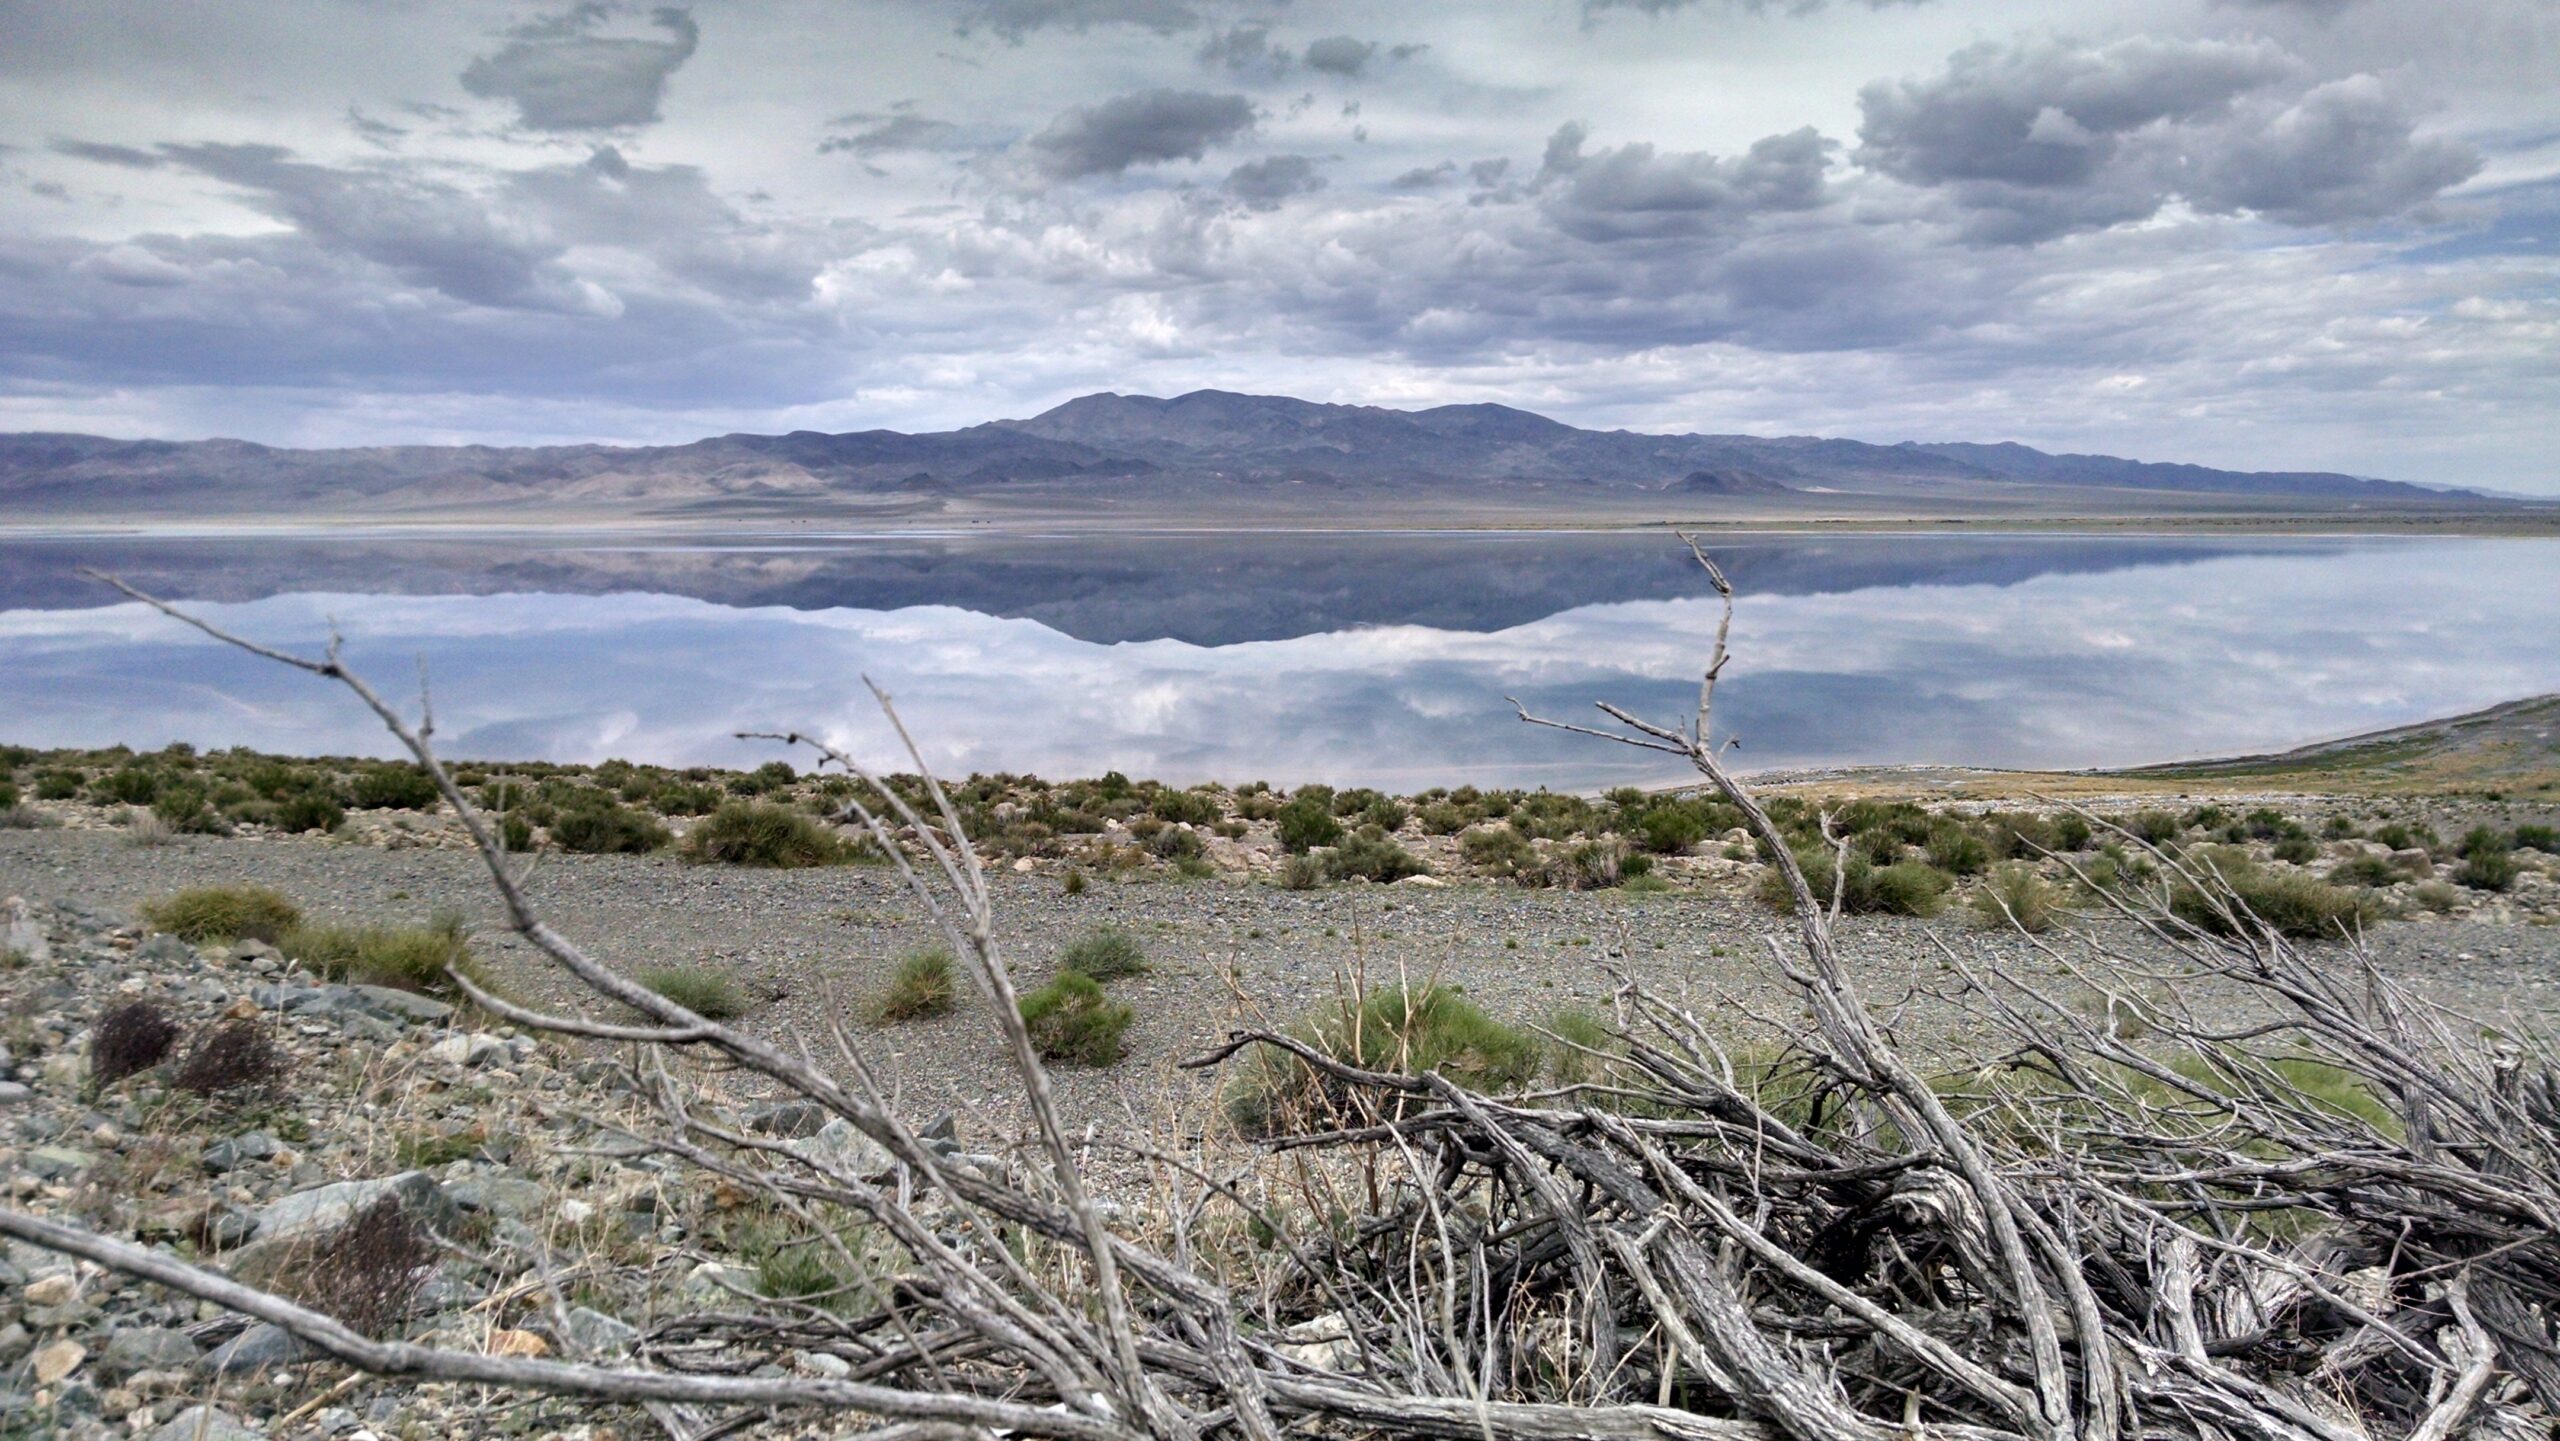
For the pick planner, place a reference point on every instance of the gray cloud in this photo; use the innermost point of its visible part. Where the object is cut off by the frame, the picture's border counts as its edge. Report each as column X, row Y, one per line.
column 2042, row 138
column 425, row 231
column 1263, row 184
column 122, row 155
column 1015, row 20
column 1149, row 127
column 1245, row 50
column 1634, row 191
column 562, row 75
column 881, row 134
column 1425, row 177
column 1340, row 55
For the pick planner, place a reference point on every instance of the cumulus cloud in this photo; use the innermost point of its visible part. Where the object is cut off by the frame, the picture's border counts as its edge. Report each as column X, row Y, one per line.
column 1146, row 128
column 562, row 74
column 1263, row 184
column 2041, row 138
column 1634, row 190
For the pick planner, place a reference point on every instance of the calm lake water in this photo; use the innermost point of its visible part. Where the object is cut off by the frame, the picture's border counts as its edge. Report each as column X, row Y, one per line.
column 1356, row 659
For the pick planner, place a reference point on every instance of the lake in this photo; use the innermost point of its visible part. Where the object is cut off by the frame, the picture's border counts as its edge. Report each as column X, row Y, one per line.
column 1358, row 658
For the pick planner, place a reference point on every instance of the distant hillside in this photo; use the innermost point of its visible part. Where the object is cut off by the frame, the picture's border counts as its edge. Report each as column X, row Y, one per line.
column 1203, row 449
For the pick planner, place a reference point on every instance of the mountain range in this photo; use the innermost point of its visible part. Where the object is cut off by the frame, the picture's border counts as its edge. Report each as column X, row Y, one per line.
column 1208, row 450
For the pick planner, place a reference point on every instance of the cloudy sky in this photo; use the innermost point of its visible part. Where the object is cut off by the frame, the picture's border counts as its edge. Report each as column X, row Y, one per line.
column 2267, row 233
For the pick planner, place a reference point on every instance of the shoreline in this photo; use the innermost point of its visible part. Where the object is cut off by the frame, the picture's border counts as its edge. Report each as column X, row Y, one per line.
column 2537, row 521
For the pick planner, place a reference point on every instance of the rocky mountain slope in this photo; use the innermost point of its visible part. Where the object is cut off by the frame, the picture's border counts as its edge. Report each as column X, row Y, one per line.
column 1200, row 449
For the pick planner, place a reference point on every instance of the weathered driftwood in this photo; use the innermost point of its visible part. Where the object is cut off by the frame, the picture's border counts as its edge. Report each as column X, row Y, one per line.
column 2188, row 1233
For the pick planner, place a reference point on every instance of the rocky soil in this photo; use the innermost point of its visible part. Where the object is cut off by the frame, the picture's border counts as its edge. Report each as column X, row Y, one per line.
column 506, row 1143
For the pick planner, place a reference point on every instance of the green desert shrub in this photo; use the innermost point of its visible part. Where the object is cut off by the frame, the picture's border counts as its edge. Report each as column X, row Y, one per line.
column 921, row 987
column 1301, row 873
column 607, row 829
column 2435, row 896
column 1500, row 849
column 410, row 958
column 57, row 785
column 707, row 991
column 685, row 800
column 1408, row 1029
column 2290, row 902
column 2365, row 870
column 223, row 913
column 2489, row 869
column 752, row 833
column 8, row 794
column 2014, row 895
column 1905, row 888
column 2154, row 827
column 396, row 788
column 1071, row 1019
column 187, row 808
column 1106, row 953
column 2531, row 837
column 1190, row 808
column 1373, row 858
column 1305, row 823
column 310, row 810
column 1953, row 847
column 2297, row 850
column 126, row 785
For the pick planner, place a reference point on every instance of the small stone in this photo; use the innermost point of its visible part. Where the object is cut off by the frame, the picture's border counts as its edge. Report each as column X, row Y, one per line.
column 842, row 1148
column 52, row 1290
column 147, row 1348
column 517, row 1343
column 257, row 1349
column 58, row 1360
column 13, row 1093
column 576, row 1213
column 164, row 947
column 204, row 1423
column 451, row 1051
column 827, row 1364
column 599, row 1334
column 497, row 1195
column 791, row 1120
column 56, row 1163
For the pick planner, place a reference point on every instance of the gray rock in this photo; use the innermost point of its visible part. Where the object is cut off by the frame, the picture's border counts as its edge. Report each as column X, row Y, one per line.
column 498, row 1195
column 791, row 1120
column 598, row 1334
column 204, row 1423
column 256, row 1349
column 231, row 1153
column 322, row 1207
column 401, row 1005
column 147, row 1348
column 840, row 1147
column 14, row 1094
column 25, row 934
column 55, row 1163
column 165, row 948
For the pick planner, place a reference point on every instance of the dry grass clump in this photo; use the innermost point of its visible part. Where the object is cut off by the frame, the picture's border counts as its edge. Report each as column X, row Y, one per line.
column 1105, row 953
column 224, row 913
column 233, row 1057
column 1403, row 1029
column 409, row 958
column 128, row 1040
column 1070, row 1019
column 703, row 990
column 921, row 987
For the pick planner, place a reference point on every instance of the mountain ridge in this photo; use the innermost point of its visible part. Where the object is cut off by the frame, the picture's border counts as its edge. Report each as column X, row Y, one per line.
column 1204, row 447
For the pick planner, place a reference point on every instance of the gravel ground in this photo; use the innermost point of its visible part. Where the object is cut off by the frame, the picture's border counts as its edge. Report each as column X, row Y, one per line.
column 802, row 941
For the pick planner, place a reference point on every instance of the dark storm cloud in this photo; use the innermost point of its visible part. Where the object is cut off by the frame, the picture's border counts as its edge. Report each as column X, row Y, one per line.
column 1340, row 55
column 1263, row 184
column 1149, row 127
column 2042, row 138
column 1632, row 190
column 562, row 75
